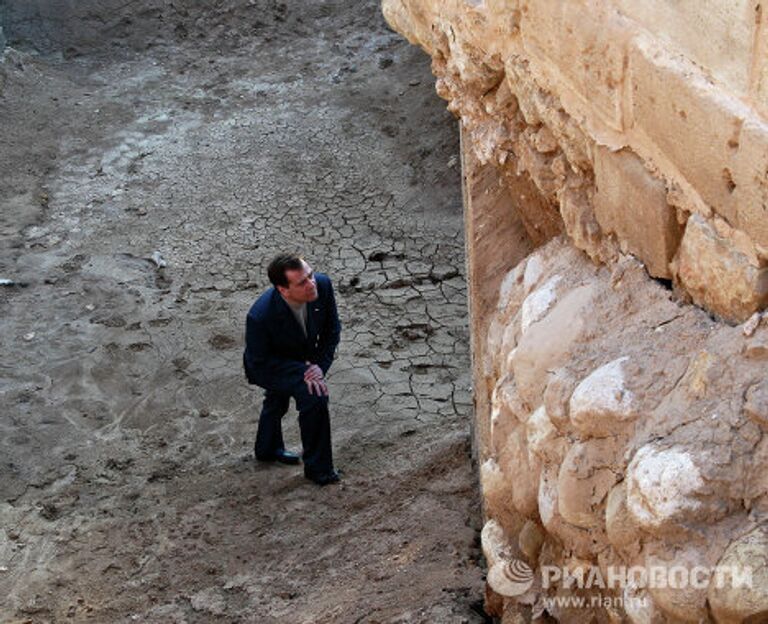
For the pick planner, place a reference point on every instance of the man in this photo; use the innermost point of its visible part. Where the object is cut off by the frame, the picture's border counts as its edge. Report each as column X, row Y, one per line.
column 291, row 335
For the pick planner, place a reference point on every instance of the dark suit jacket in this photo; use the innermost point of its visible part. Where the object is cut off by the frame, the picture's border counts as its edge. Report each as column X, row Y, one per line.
column 275, row 347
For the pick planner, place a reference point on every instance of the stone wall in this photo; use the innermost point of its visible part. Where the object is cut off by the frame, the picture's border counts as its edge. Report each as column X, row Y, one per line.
column 633, row 119
column 624, row 431
column 615, row 160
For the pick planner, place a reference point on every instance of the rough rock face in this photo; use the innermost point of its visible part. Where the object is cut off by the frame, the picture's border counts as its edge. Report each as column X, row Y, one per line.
column 641, row 132
column 606, row 143
column 629, row 430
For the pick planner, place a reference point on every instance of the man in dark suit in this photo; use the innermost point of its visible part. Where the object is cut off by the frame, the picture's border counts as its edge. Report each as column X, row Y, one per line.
column 291, row 335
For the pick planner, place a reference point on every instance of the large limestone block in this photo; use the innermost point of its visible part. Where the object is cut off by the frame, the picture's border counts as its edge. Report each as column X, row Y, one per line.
column 497, row 494
column 750, row 177
column 619, row 526
column 632, row 204
column 580, row 541
column 533, row 272
column 496, row 546
column 694, row 124
column 543, row 438
column 663, row 486
column 547, row 498
column 583, row 41
column 507, row 412
column 557, row 394
column 530, row 540
column 522, row 470
column 601, row 403
column 538, row 303
column 547, row 343
column 741, row 599
column 586, row 476
column 676, row 596
column 714, row 34
column 718, row 274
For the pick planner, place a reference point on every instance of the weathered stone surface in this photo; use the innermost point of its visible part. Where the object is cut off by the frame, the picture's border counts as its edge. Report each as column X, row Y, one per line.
column 671, row 101
column 530, row 540
column 744, row 594
column 578, row 539
column 547, row 342
column 538, row 303
column 556, row 95
column 522, row 471
column 557, row 395
column 586, row 476
column 662, row 487
column 534, row 269
column 642, row 424
column 631, row 203
column 601, row 403
column 713, row 34
column 619, row 525
column 760, row 72
column 684, row 601
column 498, row 495
column 558, row 32
column 750, row 182
column 639, row 606
column 756, row 404
column 496, row 546
column 717, row 274
column 542, row 437
column 582, row 226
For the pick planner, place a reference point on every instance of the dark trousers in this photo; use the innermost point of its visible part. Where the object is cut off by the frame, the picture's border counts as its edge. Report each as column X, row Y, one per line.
column 314, row 423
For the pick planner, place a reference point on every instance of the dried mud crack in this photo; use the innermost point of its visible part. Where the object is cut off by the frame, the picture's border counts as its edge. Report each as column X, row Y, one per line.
column 144, row 188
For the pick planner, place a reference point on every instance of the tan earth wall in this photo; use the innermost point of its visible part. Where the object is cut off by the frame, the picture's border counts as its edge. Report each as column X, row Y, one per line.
column 615, row 167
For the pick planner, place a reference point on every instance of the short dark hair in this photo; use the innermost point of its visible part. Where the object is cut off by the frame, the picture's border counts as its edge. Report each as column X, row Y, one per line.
column 280, row 264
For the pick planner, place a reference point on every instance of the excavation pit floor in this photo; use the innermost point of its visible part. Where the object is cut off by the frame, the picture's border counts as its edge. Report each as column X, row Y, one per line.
column 128, row 490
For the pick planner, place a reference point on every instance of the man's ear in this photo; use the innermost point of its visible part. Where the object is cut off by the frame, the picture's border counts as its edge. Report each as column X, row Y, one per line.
column 281, row 289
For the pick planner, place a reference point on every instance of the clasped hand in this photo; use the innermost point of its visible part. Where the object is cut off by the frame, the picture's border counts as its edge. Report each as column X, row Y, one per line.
column 315, row 380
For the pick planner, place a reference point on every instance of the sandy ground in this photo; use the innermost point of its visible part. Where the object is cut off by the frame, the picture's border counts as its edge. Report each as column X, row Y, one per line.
column 128, row 490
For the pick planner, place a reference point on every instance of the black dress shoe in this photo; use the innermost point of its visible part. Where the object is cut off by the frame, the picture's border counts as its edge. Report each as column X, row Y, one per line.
column 282, row 456
column 286, row 457
column 325, row 478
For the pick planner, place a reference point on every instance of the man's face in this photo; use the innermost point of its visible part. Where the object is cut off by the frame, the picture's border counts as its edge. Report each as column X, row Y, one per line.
column 302, row 286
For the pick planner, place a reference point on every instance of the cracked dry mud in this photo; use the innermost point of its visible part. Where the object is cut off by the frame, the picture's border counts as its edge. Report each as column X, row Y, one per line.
column 128, row 490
